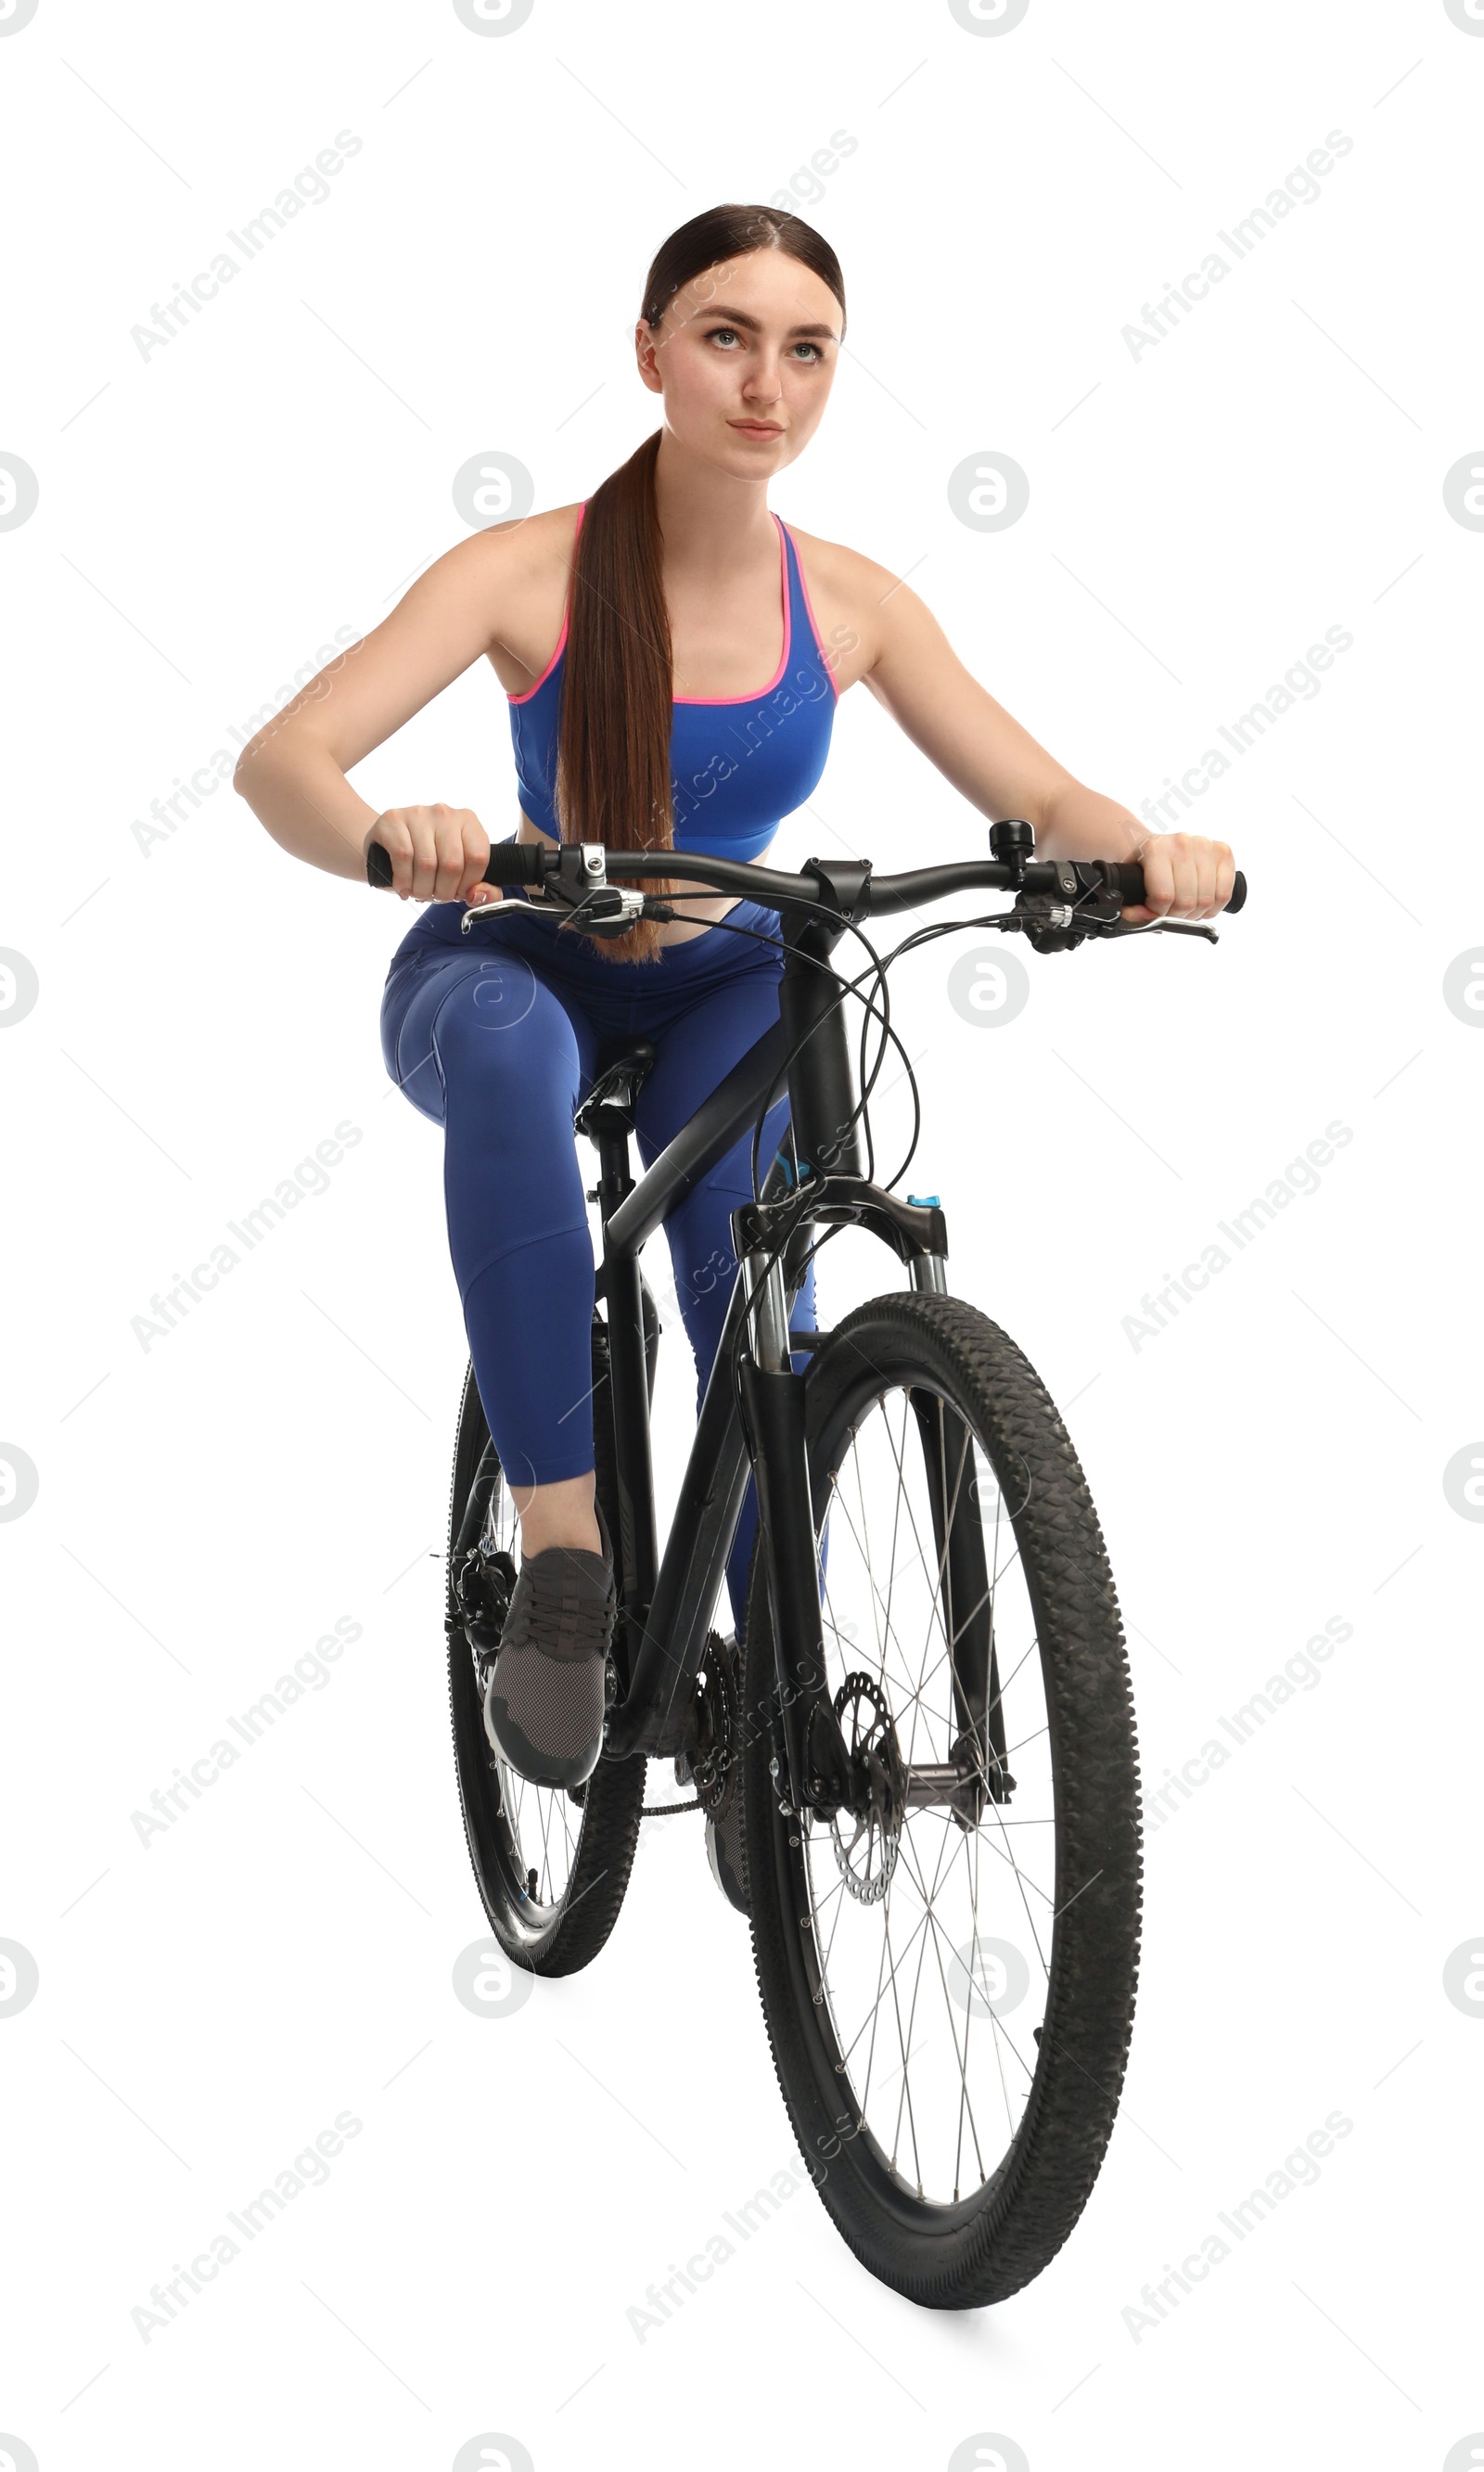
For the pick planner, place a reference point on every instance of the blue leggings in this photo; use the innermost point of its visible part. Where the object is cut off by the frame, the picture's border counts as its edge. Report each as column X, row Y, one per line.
column 497, row 1035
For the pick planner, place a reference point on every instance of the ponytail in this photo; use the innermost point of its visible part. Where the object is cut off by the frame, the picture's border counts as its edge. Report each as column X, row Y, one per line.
column 613, row 746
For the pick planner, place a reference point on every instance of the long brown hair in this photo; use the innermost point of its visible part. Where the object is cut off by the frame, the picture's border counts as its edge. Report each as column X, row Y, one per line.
column 617, row 685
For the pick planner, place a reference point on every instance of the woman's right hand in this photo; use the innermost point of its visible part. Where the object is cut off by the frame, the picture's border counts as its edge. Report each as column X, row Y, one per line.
column 437, row 853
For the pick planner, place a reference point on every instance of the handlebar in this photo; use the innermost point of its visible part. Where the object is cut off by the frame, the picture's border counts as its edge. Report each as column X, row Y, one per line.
column 1061, row 898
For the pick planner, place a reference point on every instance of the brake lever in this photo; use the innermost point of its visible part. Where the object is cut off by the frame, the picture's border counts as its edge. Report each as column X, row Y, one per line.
column 1157, row 927
column 1060, row 926
column 608, row 910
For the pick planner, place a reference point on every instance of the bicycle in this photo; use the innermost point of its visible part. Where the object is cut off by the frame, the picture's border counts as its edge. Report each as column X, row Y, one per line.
column 929, row 1719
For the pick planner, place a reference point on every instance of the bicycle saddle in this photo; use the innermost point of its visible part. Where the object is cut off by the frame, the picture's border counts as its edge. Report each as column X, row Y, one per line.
column 623, row 1070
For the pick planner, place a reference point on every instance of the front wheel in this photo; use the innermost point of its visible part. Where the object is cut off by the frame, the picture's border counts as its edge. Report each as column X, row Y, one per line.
column 948, row 1981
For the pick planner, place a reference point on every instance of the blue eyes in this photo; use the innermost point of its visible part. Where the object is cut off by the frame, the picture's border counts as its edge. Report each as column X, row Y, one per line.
column 727, row 336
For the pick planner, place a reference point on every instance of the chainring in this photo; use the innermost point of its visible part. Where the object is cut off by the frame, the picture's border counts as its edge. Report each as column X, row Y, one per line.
column 712, row 1755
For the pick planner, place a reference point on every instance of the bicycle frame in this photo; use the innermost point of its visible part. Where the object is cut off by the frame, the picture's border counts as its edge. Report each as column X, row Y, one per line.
column 665, row 1603
column 759, row 1425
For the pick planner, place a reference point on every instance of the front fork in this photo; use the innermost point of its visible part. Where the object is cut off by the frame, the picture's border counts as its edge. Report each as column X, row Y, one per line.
column 811, row 1763
column 813, row 1766
column 817, row 1765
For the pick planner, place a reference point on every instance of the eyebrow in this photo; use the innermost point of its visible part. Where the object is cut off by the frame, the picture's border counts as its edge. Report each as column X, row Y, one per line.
column 740, row 318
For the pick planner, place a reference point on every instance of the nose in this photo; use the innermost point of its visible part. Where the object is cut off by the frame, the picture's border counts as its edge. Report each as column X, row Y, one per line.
column 763, row 386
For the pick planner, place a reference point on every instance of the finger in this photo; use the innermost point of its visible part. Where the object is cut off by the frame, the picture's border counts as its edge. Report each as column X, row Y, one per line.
column 391, row 831
column 1209, row 878
column 473, row 886
column 448, row 842
column 1212, row 856
column 1159, row 877
column 1187, row 876
column 1192, row 880
column 475, row 845
column 425, row 859
column 1203, row 887
column 1191, row 875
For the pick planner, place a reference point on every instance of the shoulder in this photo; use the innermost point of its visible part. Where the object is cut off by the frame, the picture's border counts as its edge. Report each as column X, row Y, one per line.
column 503, row 590
column 528, row 551
column 503, row 568
column 854, row 601
column 838, row 569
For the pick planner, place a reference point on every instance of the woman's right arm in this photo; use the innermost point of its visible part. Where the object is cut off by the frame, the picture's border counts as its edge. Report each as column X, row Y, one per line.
column 292, row 773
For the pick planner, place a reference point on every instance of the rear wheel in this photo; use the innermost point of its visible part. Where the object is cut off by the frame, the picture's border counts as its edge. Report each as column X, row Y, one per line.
column 551, row 1864
column 949, row 1983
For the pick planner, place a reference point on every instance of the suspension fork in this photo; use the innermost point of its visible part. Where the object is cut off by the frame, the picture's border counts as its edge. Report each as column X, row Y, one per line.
column 828, row 1146
column 967, row 1598
column 816, row 1766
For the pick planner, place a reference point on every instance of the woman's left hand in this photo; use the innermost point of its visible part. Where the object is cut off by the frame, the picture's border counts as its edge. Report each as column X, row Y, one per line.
column 1184, row 877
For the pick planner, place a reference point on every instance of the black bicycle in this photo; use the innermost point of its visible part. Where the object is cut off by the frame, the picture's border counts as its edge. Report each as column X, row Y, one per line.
column 928, row 1731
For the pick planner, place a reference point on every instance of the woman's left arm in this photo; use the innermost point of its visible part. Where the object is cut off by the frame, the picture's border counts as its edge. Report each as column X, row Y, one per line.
column 1003, row 771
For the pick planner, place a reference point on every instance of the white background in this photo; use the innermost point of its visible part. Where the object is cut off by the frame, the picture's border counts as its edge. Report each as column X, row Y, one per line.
column 208, row 1013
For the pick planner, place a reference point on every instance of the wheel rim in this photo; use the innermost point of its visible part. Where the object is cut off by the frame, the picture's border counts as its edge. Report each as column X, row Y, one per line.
column 929, row 1957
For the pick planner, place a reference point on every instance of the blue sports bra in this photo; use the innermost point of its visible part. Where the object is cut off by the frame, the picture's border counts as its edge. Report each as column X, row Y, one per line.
column 738, row 765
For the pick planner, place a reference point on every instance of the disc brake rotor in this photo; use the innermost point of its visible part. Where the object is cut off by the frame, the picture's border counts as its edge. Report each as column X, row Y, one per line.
column 865, row 1843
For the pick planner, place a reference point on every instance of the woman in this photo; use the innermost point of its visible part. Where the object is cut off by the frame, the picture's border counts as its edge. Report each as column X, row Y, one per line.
column 630, row 634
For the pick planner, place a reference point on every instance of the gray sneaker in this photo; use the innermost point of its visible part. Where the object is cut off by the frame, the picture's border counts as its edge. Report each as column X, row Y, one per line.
column 547, row 1699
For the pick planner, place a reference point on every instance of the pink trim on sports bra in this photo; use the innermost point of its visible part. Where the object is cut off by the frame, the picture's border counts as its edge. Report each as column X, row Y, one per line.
column 754, row 695
column 824, row 659
column 561, row 641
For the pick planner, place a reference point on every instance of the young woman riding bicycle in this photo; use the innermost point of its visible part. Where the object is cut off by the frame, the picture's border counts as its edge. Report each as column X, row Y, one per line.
column 630, row 634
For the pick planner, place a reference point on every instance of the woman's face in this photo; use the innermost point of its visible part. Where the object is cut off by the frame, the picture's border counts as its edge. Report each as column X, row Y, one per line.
column 744, row 359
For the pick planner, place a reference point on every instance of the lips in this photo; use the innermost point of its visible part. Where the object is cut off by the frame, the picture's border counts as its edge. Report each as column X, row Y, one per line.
column 758, row 428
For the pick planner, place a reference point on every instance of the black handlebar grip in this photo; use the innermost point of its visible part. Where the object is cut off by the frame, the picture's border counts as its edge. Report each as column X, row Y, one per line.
column 514, row 862
column 1127, row 878
column 509, row 862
